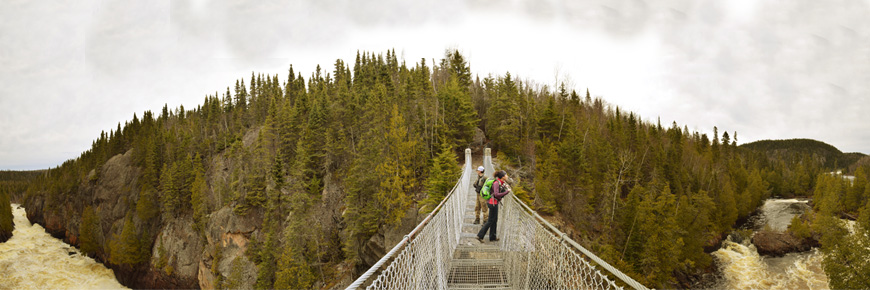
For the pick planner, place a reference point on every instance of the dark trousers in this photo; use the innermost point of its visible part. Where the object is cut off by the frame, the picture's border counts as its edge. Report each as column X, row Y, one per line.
column 491, row 224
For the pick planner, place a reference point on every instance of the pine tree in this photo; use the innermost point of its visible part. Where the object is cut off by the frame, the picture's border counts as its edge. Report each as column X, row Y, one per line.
column 443, row 174
column 199, row 195
column 90, row 232
column 168, row 191
column 548, row 122
column 293, row 273
column 127, row 248
column 548, row 183
column 854, row 197
column 845, row 264
column 662, row 245
column 503, row 122
column 458, row 118
column 460, row 69
column 694, row 221
column 396, row 180
column 236, row 276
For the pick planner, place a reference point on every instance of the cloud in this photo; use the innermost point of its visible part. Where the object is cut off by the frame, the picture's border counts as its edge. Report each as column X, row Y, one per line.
column 768, row 69
column 765, row 69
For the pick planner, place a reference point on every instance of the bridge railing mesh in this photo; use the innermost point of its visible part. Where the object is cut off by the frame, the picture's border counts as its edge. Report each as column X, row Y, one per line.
column 536, row 254
column 539, row 256
column 422, row 259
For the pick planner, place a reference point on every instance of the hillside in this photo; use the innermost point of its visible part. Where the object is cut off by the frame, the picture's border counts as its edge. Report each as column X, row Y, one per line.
column 11, row 182
column 303, row 183
column 292, row 184
column 831, row 157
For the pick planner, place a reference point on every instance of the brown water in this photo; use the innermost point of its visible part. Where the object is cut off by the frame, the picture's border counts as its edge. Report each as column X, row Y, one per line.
column 33, row 259
column 743, row 268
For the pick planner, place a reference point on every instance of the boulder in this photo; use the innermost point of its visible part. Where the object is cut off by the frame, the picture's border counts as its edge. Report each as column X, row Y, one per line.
column 778, row 244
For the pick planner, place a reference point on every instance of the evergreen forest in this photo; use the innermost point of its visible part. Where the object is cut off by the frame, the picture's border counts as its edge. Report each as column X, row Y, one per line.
column 11, row 182
column 325, row 163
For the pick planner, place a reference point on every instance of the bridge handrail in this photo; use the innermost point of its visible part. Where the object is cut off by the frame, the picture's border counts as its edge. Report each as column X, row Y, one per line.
column 564, row 237
column 407, row 238
column 561, row 235
column 536, row 254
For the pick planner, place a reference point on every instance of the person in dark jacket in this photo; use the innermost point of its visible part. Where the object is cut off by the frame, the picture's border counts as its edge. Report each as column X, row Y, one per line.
column 480, row 203
column 499, row 190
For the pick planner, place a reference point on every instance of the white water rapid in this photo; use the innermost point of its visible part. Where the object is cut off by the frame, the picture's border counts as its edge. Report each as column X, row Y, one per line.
column 33, row 259
column 743, row 268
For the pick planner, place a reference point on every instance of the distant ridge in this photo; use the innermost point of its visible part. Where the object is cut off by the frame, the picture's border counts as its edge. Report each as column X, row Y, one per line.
column 833, row 157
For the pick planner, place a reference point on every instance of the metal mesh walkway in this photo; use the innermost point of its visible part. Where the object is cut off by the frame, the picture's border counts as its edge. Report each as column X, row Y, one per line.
column 442, row 252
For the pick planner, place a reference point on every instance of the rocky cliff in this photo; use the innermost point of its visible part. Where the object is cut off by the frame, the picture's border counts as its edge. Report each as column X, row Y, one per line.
column 179, row 255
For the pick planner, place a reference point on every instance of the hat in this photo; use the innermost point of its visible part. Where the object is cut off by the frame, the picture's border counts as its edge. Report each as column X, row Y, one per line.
column 480, row 168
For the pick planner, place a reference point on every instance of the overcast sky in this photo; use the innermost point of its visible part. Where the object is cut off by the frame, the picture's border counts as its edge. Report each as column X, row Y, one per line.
column 766, row 69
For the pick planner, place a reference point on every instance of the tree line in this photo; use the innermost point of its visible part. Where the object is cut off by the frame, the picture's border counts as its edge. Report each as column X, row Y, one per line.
column 386, row 136
column 11, row 184
column 840, row 221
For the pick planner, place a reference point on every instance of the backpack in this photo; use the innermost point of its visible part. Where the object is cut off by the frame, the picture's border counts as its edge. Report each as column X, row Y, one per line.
column 486, row 190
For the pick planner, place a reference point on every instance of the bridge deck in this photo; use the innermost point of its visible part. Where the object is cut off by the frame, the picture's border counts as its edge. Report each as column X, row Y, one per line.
column 476, row 265
column 443, row 251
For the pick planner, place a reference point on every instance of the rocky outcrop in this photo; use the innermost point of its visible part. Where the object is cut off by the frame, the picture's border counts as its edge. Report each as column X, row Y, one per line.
column 227, row 239
column 177, row 252
column 112, row 191
column 181, row 255
column 778, row 244
column 387, row 237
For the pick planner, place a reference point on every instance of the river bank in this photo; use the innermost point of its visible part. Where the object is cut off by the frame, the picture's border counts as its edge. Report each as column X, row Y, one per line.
column 740, row 266
column 33, row 259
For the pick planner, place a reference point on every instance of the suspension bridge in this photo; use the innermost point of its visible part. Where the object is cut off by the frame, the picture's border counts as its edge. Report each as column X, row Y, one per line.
column 443, row 252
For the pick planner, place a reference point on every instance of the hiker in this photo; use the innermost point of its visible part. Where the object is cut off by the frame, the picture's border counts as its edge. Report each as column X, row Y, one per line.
column 480, row 203
column 499, row 190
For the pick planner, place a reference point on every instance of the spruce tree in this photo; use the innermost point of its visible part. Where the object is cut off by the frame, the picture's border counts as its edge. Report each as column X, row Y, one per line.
column 292, row 273
column 443, row 174
column 458, row 118
column 396, row 178
column 199, row 195
column 90, row 232
column 127, row 248
column 662, row 245
column 503, row 118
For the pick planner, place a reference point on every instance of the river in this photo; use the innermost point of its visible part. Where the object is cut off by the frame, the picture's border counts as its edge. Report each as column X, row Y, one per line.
column 743, row 268
column 33, row 259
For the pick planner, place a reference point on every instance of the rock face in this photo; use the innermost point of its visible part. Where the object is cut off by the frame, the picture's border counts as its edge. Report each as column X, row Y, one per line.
column 177, row 251
column 112, row 192
column 227, row 238
column 778, row 244
column 181, row 255
column 387, row 238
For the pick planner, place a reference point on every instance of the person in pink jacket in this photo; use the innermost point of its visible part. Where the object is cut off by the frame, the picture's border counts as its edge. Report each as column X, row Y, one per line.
column 499, row 190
